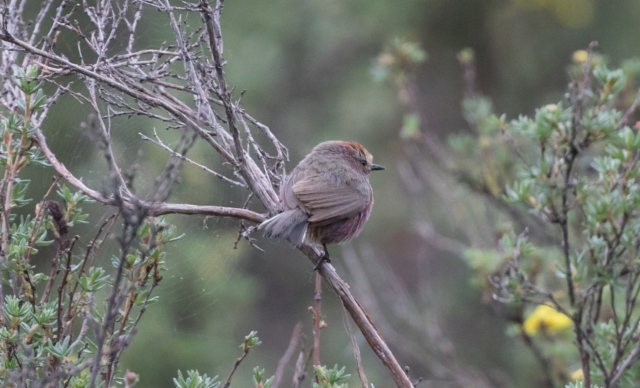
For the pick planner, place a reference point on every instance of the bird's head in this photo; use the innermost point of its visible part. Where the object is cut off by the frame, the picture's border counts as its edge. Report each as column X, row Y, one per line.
column 357, row 155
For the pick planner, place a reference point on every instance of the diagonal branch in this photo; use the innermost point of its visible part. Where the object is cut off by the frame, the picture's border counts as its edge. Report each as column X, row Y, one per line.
column 361, row 318
column 154, row 209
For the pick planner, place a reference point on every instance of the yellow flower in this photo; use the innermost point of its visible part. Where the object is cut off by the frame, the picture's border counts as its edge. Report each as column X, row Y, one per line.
column 580, row 56
column 578, row 374
column 545, row 319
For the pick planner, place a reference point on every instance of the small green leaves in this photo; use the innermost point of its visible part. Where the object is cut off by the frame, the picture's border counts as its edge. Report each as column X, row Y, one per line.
column 95, row 280
column 39, row 101
column 61, row 349
column 15, row 309
column 19, row 193
column 612, row 81
column 401, row 53
column 27, row 81
column 250, row 341
column 330, row 378
column 45, row 316
column 579, row 384
column 12, row 124
column 600, row 123
column 195, row 380
column 628, row 139
column 142, row 297
column 9, row 336
column 16, row 151
column 258, row 378
column 73, row 213
column 409, row 50
column 476, row 110
column 519, row 192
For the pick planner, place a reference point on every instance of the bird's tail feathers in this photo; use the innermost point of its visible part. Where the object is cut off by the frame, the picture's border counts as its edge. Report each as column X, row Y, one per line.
column 290, row 224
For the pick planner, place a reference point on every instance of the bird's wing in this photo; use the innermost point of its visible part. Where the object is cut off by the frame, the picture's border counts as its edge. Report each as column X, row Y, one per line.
column 328, row 200
column 289, row 199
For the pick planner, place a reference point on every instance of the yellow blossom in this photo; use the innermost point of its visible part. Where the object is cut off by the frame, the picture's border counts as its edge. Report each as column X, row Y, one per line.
column 545, row 319
column 580, row 56
column 578, row 374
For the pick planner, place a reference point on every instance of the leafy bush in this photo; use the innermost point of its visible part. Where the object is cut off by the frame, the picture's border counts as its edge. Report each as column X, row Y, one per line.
column 573, row 165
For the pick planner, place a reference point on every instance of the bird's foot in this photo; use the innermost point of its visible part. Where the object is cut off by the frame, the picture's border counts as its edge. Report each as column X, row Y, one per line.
column 324, row 259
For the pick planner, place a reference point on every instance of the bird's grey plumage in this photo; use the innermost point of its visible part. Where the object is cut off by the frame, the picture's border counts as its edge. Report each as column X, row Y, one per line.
column 330, row 201
column 290, row 223
column 329, row 186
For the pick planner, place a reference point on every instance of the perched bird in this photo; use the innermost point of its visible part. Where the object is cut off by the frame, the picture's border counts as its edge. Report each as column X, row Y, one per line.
column 327, row 198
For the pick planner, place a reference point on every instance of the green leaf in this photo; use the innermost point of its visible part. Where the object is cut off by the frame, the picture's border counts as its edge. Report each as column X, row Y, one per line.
column 195, row 380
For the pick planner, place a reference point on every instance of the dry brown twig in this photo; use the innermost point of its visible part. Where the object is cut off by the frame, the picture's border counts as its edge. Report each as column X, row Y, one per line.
column 301, row 366
column 318, row 323
column 284, row 360
column 356, row 353
column 415, row 330
column 143, row 83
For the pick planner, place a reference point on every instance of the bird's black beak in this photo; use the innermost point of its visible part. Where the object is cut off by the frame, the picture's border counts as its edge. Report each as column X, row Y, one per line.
column 375, row 167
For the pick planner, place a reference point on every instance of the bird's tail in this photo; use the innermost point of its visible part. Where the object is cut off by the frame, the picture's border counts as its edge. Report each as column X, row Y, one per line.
column 290, row 224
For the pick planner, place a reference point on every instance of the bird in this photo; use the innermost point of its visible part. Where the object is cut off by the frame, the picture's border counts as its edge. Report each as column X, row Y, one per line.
column 326, row 199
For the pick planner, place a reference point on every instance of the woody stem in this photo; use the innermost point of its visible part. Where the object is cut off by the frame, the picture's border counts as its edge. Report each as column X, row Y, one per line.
column 317, row 318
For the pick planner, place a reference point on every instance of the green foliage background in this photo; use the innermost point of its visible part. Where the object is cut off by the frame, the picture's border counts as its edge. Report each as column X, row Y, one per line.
column 306, row 66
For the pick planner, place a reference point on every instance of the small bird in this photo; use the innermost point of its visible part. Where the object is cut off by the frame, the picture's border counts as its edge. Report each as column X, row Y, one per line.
column 327, row 198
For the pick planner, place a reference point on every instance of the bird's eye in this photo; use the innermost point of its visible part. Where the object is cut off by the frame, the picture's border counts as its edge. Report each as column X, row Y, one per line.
column 364, row 162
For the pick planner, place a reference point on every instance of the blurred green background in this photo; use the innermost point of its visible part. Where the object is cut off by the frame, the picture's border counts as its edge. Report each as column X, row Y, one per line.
column 307, row 68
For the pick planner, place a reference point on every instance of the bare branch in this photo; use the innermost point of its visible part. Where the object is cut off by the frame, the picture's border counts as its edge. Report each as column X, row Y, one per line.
column 156, row 209
column 361, row 318
column 284, row 360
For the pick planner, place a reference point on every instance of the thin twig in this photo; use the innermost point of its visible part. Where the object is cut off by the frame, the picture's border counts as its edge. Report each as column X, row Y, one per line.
column 317, row 319
column 625, row 119
column 356, row 353
column 155, row 209
column 284, row 360
column 625, row 364
column 301, row 366
column 361, row 318
column 160, row 143
column 235, row 366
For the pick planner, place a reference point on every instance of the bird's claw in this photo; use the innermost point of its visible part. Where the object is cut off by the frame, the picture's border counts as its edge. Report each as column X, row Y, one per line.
column 324, row 259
